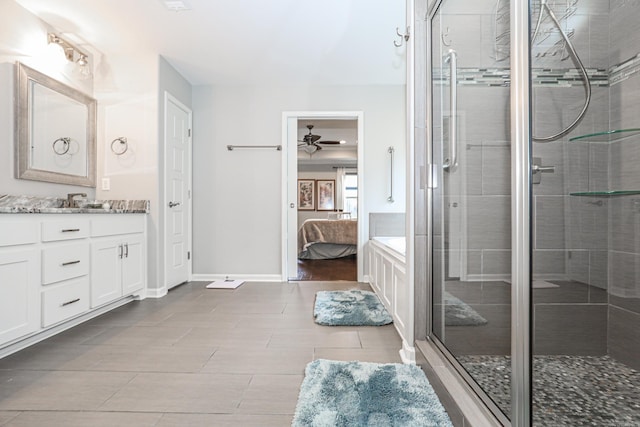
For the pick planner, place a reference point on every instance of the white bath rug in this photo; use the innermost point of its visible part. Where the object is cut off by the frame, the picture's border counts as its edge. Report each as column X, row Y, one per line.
column 225, row 284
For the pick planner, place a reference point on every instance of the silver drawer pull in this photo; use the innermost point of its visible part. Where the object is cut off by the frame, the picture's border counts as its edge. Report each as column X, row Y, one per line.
column 70, row 230
column 70, row 263
column 69, row 302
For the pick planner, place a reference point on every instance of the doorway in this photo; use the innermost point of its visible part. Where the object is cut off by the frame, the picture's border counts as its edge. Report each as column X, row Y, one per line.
column 323, row 188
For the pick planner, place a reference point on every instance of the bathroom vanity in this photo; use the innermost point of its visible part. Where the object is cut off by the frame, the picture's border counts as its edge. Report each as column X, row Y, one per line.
column 62, row 266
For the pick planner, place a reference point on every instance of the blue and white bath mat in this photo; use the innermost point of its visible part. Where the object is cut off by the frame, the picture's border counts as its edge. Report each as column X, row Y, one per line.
column 367, row 394
column 350, row 308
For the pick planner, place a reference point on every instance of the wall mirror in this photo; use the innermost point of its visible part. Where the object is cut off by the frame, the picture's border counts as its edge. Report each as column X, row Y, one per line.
column 55, row 130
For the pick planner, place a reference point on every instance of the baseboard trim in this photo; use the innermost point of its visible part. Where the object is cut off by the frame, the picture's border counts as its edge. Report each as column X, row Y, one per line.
column 245, row 277
column 156, row 292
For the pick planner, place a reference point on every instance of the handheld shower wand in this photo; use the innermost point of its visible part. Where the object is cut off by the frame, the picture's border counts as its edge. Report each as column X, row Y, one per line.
column 545, row 7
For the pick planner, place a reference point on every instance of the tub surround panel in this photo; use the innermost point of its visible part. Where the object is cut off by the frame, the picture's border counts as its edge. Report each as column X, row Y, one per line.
column 34, row 204
column 386, row 224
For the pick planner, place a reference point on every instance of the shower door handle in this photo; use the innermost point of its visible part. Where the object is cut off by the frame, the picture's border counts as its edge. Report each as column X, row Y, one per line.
column 452, row 161
column 537, row 169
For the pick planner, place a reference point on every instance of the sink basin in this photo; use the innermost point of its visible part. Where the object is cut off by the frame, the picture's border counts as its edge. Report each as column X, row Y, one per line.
column 89, row 205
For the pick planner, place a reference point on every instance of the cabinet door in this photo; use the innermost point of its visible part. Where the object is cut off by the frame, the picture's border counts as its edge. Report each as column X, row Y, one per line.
column 19, row 283
column 106, row 271
column 133, row 272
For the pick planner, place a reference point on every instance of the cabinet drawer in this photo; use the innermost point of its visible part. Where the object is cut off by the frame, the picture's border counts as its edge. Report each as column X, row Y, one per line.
column 65, row 229
column 65, row 301
column 18, row 233
column 111, row 225
column 61, row 262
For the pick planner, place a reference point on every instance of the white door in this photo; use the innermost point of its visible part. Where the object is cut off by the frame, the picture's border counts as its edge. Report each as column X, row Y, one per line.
column 177, row 192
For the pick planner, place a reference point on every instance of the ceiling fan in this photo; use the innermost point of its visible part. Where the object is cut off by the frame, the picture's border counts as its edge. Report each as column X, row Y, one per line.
column 310, row 142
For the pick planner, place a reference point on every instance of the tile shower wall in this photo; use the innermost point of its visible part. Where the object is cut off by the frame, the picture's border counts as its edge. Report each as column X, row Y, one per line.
column 624, row 174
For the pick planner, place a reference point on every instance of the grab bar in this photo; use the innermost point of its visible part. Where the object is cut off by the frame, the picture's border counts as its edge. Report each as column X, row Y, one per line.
column 390, row 198
column 452, row 161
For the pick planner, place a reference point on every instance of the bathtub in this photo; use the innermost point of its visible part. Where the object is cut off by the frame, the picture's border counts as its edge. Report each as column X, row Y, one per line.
column 386, row 273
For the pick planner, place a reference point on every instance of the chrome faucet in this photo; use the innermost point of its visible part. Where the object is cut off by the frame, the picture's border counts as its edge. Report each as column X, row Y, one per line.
column 71, row 203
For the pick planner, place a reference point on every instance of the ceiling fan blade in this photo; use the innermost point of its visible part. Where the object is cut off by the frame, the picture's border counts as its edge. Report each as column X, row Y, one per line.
column 313, row 138
column 329, row 142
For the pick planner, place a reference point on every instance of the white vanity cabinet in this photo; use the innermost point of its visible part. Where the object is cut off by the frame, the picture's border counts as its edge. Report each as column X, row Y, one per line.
column 65, row 268
column 19, row 280
column 57, row 270
column 117, row 259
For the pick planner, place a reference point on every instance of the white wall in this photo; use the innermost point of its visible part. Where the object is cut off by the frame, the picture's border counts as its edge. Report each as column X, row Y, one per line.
column 237, row 194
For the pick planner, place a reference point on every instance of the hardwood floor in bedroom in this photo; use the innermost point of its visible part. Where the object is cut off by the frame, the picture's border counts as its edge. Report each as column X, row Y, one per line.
column 345, row 268
column 197, row 357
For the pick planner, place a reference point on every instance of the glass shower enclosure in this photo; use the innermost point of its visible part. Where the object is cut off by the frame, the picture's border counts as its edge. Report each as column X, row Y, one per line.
column 534, row 142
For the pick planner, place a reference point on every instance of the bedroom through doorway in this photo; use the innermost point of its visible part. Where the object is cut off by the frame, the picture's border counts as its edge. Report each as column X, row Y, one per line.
column 327, row 192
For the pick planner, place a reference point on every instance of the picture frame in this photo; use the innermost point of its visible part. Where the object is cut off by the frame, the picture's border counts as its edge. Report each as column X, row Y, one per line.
column 326, row 190
column 306, row 194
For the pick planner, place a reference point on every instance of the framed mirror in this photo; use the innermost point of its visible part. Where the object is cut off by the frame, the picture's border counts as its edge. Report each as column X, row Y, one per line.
column 55, row 130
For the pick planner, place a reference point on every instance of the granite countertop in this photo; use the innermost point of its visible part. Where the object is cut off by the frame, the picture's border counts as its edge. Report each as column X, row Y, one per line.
column 33, row 204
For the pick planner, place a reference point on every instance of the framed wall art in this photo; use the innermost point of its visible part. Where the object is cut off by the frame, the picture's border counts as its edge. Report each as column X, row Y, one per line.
column 306, row 195
column 326, row 194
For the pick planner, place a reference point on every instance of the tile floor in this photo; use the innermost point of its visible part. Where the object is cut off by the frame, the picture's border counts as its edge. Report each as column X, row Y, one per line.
column 198, row 356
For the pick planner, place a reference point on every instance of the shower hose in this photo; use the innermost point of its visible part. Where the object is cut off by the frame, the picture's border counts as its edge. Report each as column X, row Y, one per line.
column 545, row 7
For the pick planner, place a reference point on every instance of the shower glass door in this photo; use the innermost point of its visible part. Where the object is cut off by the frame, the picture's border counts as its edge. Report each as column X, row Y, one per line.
column 471, row 209
column 586, row 206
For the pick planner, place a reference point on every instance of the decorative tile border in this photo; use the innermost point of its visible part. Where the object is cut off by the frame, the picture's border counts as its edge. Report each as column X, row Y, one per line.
column 566, row 77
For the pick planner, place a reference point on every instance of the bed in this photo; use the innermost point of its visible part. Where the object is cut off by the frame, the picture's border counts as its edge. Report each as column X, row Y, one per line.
column 327, row 238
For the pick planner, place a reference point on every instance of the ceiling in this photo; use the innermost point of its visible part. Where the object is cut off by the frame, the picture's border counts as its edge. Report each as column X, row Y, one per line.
column 238, row 42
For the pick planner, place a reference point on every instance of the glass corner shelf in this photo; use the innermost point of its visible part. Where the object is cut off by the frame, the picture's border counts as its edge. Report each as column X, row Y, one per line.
column 605, row 193
column 607, row 136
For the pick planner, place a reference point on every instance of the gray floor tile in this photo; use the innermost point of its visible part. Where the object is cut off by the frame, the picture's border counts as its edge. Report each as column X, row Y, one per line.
column 297, row 338
column 7, row 416
column 147, row 359
column 197, row 357
column 58, row 390
column 271, row 394
column 259, row 361
column 380, row 337
column 224, row 420
column 235, row 338
column 84, row 419
column 161, row 392
column 139, row 336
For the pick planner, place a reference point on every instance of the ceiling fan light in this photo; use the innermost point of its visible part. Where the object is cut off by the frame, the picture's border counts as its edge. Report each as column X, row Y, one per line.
column 310, row 149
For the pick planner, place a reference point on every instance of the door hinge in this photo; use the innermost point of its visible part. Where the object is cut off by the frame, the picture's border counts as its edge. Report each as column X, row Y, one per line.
column 189, row 132
column 188, row 254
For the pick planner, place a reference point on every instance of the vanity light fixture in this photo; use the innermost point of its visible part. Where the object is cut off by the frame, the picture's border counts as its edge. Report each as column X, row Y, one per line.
column 72, row 54
column 176, row 5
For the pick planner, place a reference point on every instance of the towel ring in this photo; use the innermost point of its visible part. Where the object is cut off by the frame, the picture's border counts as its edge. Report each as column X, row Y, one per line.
column 124, row 146
column 66, row 144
